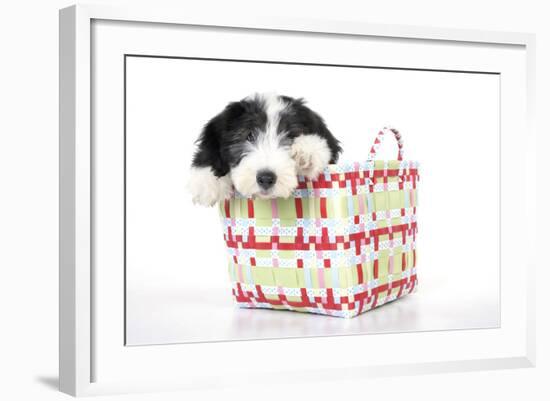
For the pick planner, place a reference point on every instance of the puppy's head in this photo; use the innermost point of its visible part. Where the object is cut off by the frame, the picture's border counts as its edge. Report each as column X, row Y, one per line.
column 251, row 141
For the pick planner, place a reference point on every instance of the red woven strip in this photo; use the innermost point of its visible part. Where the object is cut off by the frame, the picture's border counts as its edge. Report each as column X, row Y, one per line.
column 240, row 292
column 229, row 235
column 323, row 207
column 400, row 290
column 329, row 304
column 375, row 265
column 324, row 245
column 305, row 298
column 261, row 297
column 375, row 301
column 226, row 207
column 357, row 245
column 251, row 238
column 330, row 299
column 250, row 208
column 299, row 211
column 349, row 178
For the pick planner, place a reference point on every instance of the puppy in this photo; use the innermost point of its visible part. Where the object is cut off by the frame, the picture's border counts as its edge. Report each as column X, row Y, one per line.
column 257, row 146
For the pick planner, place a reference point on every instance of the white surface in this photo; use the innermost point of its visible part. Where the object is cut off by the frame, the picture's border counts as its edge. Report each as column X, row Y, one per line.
column 29, row 182
column 175, row 315
column 177, row 281
column 120, row 368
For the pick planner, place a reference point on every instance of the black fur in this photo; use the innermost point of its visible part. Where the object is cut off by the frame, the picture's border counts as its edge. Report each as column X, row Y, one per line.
column 222, row 143
column 301, row 120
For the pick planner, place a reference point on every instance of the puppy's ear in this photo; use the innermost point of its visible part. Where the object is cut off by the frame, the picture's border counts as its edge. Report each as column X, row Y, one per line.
column 313, row 123
column 210, row 142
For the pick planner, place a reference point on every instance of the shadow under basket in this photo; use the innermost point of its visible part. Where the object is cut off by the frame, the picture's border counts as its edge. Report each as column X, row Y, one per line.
column 340, row 245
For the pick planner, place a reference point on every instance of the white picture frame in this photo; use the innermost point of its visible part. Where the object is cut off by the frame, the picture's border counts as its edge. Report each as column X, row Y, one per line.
column 93, row 357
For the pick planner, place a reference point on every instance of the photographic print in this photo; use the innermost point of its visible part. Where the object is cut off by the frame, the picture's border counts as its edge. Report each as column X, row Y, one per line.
column 207, row 262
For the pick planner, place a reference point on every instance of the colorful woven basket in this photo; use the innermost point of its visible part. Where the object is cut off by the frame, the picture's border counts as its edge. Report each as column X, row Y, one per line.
column 340, row 245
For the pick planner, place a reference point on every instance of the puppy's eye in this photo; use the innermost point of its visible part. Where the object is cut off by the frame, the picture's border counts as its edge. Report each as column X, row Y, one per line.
column 251, row 137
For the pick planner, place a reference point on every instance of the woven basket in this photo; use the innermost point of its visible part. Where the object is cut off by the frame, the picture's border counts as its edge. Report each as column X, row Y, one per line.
column 340, row 245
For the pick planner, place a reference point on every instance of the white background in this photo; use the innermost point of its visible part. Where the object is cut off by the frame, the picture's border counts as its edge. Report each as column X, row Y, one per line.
column 177, row 281
column 28, row 217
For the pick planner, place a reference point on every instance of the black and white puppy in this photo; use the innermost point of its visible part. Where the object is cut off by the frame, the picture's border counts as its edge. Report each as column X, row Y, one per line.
column 257, row 146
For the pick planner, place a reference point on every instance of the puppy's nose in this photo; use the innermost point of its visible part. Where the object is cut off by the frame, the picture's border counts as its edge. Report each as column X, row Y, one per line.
column 266, row 179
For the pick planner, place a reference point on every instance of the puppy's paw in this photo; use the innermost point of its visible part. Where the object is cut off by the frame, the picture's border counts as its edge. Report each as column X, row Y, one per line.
column 206, row 189
column 311, row 154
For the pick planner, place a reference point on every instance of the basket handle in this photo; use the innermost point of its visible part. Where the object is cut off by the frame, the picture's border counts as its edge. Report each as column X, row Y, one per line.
column 380, row 138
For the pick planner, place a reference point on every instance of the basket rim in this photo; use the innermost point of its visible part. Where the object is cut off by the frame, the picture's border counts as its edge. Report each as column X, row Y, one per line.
column 343, row 167
column 352, row 164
